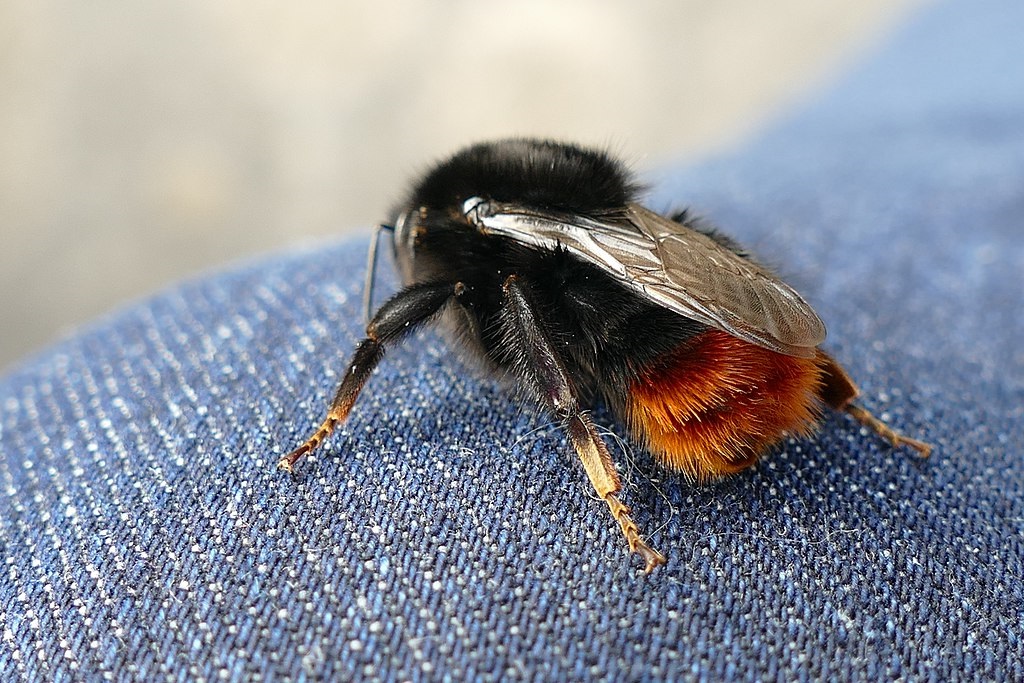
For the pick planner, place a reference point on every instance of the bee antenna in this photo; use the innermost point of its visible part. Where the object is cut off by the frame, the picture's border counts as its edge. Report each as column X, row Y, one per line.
column 371, row 269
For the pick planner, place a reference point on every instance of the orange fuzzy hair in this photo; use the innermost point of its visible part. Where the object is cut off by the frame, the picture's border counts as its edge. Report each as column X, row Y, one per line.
column 714, row 405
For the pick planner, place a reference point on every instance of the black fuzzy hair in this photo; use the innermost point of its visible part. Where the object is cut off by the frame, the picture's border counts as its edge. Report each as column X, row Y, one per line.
column 538, row 173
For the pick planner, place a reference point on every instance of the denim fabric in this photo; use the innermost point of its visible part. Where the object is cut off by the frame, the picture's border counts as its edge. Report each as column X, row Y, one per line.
column 446, row 532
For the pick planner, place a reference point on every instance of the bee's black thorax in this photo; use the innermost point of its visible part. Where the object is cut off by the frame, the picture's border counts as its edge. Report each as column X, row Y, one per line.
column 605, row 331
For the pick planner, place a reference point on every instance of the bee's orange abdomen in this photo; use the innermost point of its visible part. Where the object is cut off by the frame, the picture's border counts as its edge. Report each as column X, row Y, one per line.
column 712, row 406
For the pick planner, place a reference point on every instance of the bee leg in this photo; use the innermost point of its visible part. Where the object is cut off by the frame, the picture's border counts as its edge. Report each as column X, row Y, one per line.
column 401, row 314
column 838, row 391
column 885, row 431
column 545, row 371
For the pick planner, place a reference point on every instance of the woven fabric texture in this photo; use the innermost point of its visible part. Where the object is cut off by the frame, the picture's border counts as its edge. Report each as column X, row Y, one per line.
column 448, row 532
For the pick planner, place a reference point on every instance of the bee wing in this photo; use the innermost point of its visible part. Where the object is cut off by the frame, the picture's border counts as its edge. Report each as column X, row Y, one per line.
column 672, row 265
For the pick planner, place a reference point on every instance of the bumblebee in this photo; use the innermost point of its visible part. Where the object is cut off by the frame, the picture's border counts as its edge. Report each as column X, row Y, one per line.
column 554, row 276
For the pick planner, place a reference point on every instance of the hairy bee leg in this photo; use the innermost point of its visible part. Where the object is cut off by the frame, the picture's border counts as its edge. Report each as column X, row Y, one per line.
column 546, row 372
column 885, row 431
column 838, row 391
column 597, row 462
column 367, row 355
column 399, row 315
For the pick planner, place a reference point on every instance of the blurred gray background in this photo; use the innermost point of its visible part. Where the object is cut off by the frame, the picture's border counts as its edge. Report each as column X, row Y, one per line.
column 144, row 141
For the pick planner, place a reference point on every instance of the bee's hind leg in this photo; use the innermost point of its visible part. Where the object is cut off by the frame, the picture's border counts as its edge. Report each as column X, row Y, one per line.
column 838, row 392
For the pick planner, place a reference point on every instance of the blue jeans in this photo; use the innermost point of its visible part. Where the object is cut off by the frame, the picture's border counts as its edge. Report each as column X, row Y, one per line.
column 447, row 532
